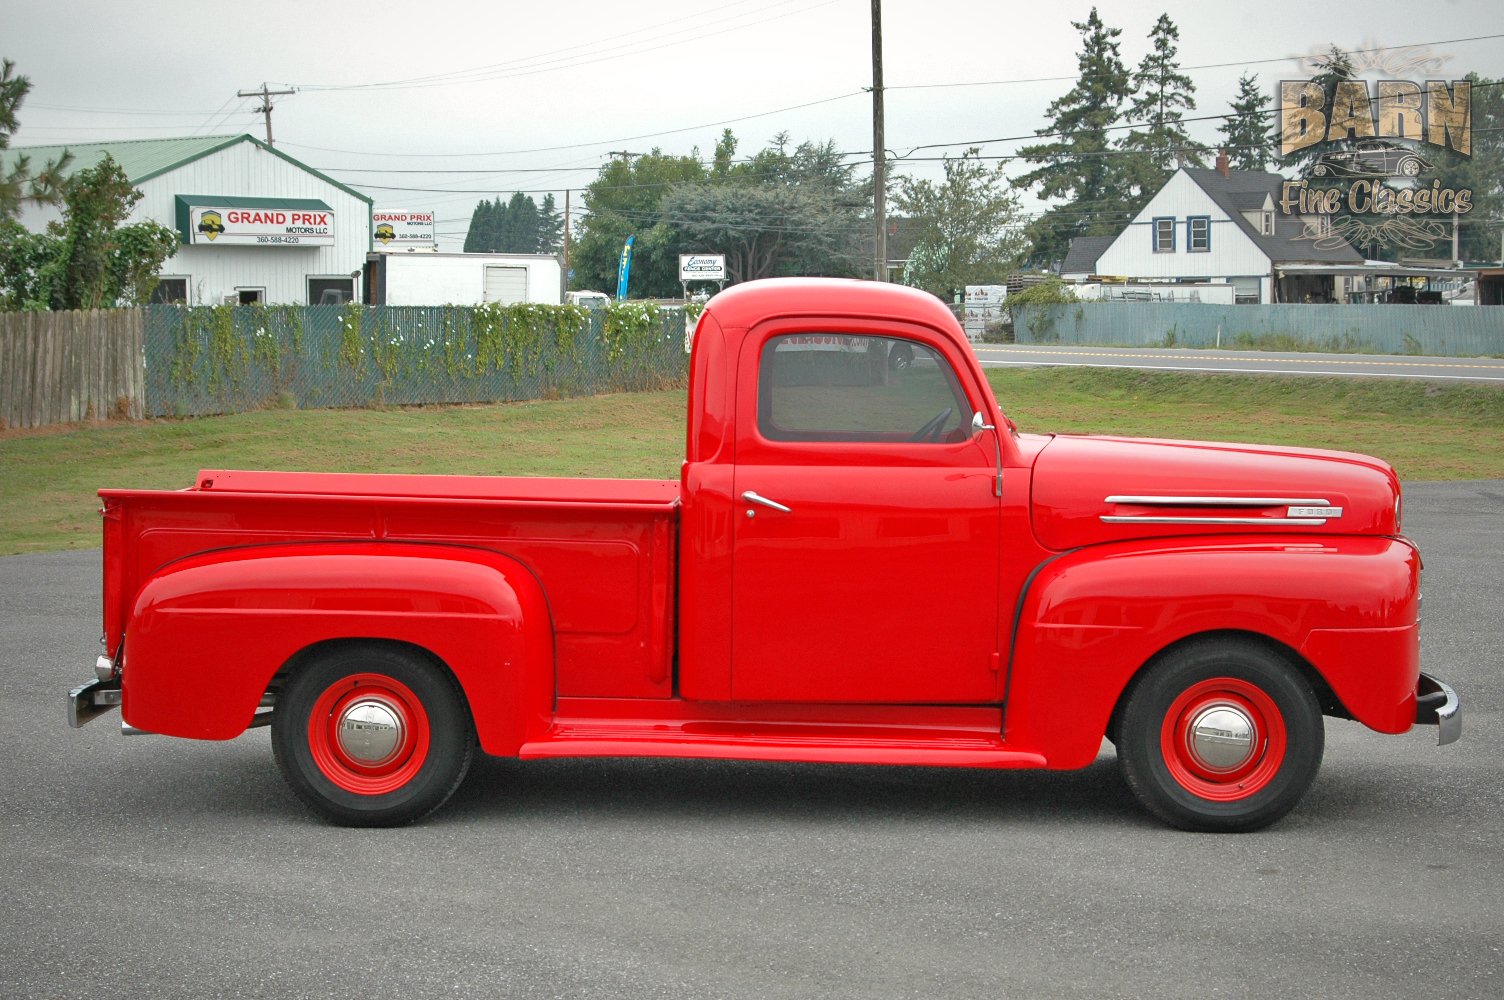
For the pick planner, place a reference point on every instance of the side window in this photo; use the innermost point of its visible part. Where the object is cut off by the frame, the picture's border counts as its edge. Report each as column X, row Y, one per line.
column 835, row 387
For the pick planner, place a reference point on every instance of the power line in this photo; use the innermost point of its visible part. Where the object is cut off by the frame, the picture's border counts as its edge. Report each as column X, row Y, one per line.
column 1225, row 65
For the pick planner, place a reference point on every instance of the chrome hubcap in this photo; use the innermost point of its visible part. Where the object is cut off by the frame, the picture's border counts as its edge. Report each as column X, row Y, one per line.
column 1222, row 737
column 370, row 731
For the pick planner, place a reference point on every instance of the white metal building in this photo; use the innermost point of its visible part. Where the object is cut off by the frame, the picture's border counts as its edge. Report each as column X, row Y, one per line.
column 256, row 224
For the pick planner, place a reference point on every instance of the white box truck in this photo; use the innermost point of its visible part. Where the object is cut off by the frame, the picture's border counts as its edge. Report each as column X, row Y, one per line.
column 423, row 278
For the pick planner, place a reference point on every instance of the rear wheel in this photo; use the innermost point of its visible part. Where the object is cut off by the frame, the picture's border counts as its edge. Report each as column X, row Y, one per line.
column 372, row 735
column 1221, row 736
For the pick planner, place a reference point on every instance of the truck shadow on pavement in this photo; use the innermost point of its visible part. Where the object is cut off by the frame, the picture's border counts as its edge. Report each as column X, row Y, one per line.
column 709, row 789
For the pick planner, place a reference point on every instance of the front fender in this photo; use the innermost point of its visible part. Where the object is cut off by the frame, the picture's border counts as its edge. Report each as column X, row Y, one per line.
column 208, row 633
column 1092, row 618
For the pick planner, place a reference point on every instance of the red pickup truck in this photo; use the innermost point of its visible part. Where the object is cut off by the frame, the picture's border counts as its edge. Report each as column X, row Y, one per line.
column 863, row 561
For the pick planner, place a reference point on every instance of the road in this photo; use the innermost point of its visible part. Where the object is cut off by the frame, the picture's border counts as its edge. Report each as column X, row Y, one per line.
column 1265, row 362
column 147, row 867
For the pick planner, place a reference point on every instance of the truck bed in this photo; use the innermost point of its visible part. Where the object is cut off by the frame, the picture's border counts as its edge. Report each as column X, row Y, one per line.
column 603, row 549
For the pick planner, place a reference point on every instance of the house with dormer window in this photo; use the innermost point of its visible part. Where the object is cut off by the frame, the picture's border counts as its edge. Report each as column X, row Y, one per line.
column 1221, row 226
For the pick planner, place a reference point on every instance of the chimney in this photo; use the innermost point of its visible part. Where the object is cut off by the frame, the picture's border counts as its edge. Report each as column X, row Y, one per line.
column 1222, row 162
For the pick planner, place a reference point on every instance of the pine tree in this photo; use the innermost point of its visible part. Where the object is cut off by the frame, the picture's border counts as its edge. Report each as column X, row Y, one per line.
column 20, row 184
column 550, row 227
column 1336, row 67
column 1249, row 132
column 1161, row 96
column 1078, row 163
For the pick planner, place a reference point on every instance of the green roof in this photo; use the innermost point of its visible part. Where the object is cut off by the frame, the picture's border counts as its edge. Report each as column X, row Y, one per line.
column 143, row 159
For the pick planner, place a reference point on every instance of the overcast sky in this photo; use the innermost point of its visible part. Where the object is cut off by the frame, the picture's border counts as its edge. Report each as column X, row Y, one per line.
column 535, row 96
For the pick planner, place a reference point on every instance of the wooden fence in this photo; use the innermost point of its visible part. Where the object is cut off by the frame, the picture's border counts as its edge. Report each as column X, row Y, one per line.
column 63, row 367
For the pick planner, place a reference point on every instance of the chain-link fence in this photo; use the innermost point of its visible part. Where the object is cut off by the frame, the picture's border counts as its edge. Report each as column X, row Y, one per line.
column 227, row 359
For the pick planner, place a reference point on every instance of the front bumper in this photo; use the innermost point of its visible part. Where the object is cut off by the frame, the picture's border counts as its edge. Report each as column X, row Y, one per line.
column 1436, row 705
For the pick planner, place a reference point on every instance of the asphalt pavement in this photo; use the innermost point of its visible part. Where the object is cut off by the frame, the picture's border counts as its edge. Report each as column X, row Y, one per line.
column 1435, row 369
column 150, row 867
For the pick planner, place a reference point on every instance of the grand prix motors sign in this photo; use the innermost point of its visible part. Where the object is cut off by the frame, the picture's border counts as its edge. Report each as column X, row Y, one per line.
column 311, row 227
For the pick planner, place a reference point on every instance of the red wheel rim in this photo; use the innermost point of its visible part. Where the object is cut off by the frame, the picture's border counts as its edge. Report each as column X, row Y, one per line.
column 382, row 712
column 1217, row 699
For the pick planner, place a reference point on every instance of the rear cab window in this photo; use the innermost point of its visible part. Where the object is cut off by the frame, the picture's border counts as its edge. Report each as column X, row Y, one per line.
column 840, row 387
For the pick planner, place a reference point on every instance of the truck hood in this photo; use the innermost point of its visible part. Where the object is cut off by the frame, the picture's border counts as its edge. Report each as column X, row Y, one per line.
column 1088, row 490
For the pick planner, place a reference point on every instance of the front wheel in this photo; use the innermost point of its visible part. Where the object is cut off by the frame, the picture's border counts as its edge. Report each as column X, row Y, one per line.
column 371, row 735
column 1220, row 736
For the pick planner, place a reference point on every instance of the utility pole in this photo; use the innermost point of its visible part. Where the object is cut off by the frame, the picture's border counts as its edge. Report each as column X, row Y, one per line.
column 879, row 171
column 266, row 105
column 566, row 237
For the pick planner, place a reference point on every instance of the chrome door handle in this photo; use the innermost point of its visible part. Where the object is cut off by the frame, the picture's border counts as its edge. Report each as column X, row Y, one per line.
column 751, row 497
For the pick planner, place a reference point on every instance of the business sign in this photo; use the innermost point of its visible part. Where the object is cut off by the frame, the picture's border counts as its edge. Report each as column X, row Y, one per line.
column 702, row 267
column 1373, row 151
column 222, row 226
column 402, row 228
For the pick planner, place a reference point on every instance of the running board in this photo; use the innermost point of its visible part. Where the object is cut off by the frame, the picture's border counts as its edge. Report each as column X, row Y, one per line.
column 789, row 742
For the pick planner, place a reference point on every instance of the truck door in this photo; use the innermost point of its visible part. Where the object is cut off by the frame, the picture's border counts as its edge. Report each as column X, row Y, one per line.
column 866, row 533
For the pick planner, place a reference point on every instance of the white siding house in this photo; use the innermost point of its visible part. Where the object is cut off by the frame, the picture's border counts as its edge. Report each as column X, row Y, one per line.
column 1217, row 226
column 303, row 238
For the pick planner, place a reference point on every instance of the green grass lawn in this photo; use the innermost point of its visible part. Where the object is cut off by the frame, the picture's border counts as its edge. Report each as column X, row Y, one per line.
column 48, row 477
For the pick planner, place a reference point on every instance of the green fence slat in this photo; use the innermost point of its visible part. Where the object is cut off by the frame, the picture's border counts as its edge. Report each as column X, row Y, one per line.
column 1441, row 331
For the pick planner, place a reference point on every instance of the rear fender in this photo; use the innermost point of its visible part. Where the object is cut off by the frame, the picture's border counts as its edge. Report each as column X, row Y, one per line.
column 207, row 634
column 1092, row 618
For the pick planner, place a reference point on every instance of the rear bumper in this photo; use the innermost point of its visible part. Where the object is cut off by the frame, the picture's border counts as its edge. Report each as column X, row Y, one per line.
column 1436, row 705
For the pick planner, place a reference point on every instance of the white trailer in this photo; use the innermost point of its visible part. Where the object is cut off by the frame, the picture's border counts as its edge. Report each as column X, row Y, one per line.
column 439, row 279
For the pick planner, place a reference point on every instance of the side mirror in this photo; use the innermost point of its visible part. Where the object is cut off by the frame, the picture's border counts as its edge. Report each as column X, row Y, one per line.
column 979, row 424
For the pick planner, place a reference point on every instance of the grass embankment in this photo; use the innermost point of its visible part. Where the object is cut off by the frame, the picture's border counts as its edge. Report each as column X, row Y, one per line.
column 48, row 477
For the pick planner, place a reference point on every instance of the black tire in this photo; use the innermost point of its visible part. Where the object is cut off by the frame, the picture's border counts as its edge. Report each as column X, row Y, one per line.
column 901, row 356
column 1220, row 736
column 405, row 745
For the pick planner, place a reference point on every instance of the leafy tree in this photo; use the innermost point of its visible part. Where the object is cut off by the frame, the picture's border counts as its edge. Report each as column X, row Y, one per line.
column 623, row 201
column 1161, row 97
column 966, row 226
column 90, row 259
column 1078, row 164
column 18, row 184
column 1250, row 133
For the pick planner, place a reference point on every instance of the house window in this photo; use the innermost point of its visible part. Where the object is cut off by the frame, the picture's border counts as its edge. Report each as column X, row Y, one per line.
column 1164, row 235
column 248, row 296
column 1266, row 223
column 330, row 291
column 1246, row 291
column 170, row 291
column 1198, row 234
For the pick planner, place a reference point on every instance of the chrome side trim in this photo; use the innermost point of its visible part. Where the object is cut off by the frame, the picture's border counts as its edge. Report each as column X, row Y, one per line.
column 1221, row 501
column 1129, row 519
